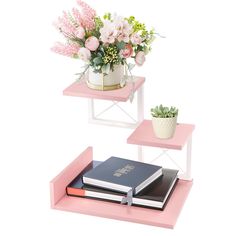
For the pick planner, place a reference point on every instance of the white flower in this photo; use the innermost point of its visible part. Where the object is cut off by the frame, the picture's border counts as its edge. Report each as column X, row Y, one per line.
column 108, row 32
column 135, row 39
column 123, row 28
column 84, row 54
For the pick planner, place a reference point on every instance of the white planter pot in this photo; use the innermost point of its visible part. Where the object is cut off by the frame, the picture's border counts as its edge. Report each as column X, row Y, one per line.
column 164, row 128
column 108, row 82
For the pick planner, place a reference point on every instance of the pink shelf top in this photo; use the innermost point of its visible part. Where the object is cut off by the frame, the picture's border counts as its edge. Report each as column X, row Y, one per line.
column 144, row 135
column 80, row 89
column 60, row 201
column 166, row 218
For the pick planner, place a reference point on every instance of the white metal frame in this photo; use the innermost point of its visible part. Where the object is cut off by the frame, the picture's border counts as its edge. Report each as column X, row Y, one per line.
column 186, row 174
column 95, row 118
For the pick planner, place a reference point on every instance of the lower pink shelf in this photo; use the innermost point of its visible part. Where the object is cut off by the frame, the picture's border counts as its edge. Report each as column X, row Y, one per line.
column 60, row 201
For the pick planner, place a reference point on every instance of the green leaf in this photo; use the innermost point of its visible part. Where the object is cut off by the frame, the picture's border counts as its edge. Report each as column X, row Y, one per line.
column 102, row 49
column 99, row 54
column 164, row 112
column 120, row 45
column 97, row 60
column 107, row 16
column 106, row 69
column 75, row 55
column 131, row 66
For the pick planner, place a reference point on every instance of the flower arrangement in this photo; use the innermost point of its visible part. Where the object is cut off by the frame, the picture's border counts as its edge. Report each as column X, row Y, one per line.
column 102, row 42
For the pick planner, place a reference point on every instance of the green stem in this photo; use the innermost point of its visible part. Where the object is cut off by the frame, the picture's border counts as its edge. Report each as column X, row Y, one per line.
column 82, row 74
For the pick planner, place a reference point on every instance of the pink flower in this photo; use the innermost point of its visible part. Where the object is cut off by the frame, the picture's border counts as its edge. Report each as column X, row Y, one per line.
column 77, row 16
column 136, row 39
column 87, row 15
column 92, row 43
column 127, row 51
column 123, row 37
column 65, row 25
column 80, row 32
column 140, row 58
column 84, row 54
column 69, row 50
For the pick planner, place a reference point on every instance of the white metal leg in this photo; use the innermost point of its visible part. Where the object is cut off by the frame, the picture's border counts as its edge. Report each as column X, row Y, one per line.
column 186, row 174
column 140, row 153
column 95, row 118
column 90, row 109
column 189, row 159
column 140, row 104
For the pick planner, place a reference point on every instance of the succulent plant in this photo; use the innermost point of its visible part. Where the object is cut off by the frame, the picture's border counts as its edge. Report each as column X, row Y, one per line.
column 164, row 112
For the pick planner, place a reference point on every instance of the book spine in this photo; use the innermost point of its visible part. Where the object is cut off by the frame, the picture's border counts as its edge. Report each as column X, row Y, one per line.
column 75, row 191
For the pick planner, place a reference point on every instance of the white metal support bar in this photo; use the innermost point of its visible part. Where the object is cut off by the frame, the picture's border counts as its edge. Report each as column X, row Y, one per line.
column 108, row 108
column 164, row 152
column 125, row 112
column 95, row 119
column 175, row 163
column 186, row 174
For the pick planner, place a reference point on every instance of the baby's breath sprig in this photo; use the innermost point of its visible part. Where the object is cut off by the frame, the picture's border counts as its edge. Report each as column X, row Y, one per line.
column 111, row 55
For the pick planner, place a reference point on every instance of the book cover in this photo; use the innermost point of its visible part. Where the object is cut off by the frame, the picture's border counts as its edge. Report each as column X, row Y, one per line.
column 155, row 195
column 122, row 175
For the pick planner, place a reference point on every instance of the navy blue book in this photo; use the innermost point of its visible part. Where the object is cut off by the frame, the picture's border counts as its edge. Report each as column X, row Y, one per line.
column 155, row 195
column 122, row 175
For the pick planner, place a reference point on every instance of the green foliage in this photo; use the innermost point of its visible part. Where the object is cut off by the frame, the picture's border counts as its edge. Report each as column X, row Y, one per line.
column 107, row 16
column 96, row 31
column 139, row 48
column 106, row 69
column 130, row 66
column 148, row 36
column 81, row 74
column 111, row 55
column 98, row 23
column 164, row 112
column 104, row 59
column 137, row 26
column 97, row 60
column 120, row 45
column 75, row 56
column 130, row 19
column 77, row 40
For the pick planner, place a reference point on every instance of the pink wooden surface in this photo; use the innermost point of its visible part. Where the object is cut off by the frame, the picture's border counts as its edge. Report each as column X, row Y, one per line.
column 166, row 218
column 59, row 183
column 61, row 201
column 80, row 89
column 144, row 135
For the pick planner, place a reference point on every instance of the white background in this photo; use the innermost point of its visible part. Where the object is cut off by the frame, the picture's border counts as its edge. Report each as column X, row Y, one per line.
column 42, row 131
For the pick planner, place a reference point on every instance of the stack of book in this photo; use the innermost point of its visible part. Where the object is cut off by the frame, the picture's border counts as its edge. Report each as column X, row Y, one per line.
column 111, row 180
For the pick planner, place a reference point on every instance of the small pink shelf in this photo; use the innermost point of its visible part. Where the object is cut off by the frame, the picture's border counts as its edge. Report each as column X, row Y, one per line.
column 60, row 201
column 144, row 135
column 80, row 89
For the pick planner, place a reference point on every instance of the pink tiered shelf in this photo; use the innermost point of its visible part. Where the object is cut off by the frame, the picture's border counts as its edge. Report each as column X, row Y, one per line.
column 60, row 201
column 143, row 135
column 80, row 89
